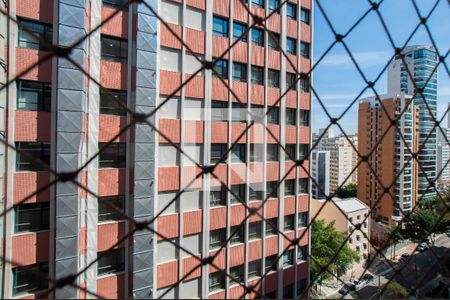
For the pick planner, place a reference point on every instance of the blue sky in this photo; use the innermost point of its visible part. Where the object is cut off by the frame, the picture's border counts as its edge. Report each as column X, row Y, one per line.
column 336, row 79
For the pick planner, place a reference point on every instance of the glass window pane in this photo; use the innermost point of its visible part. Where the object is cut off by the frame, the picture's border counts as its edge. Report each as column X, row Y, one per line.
column 238, row 30
column 258, row 36
column 220, row 26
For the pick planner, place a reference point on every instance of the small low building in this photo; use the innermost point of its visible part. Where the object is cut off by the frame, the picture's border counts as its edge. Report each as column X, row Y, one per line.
column 347, row 213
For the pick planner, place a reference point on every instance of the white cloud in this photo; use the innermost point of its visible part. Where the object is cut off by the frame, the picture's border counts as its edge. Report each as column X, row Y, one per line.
column 364, row 59
column 444, row 92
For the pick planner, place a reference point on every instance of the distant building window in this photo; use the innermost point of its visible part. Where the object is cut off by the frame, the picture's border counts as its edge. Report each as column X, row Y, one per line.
column 272, row 189
column 36, row 150
column 291, row 116
column 217, row 238
column 304, row 85
column 219, row 110
column 271, row 226
column 218, row 197
column 259, row 3
column 31, row 217
column 288, row 258
column 111, row 262
column 239, row 191
column 289, row 187
column 220, row 26
column 107, row 213
column 271, row 263
column 274, row 78
column 304, row 49
column 238, row 31
column 254, row 230
column 303, row 150
column 273, row 115
column 289, row 223
column 29, row 279
column 274, row 40
column 237, row 233
column 291, row 46
column 302, row 219
column 114, row 3
column 221, row 69
column 238, row 112
column 216, row 281
column 272, row 152
column 109, row 106
column 305, row 15
column 114, row 49
column 254, row 269
column 217, row 150
column 291, row 81
column 237, row 274
column 303, row 185
column 43, row 31
column 258, row 37
column 255, row 194
column 301, row 286
column 290, row 152
column 239, row 72
column 257, row 75
column 34, row 95
column 113, row 156
column 238, row 153
column 291, row 10
column 304, row 117
column 274, row 4
column 302, row 253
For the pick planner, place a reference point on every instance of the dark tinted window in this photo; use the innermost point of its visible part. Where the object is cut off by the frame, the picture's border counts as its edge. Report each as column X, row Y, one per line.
column 220, row 26
column 43, row 31
column 114, row 49
column 37, row 150
column 31, row 217
column 34, row 95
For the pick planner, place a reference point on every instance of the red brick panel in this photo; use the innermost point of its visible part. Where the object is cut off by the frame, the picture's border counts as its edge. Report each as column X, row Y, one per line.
column 240, row 52
column 271, row 208
column 191, row 177
column 30, row 248
column 291, row 63
column 167, row 274
column 305, row 65
column 200, row 4
column 118, row 25
column 219, row 90
column 239, row 92
column 273, row 171
column 217, row 218
column 113, row 75
column 168, row 178
column 237, row 214
column 304, row 239
column 192, row 222
column 274, row 59
column 167, row 226
column 257, row 133
column 111, row 287
column 193, row 132
column 291, row 99
column 302, row 270
column 220, row 46
column 305, row 102
column 256, row 172
column 304, row 133
column 236, row 292
column 288, row 276
column 35, row 9
column 291, row 134
column 238, row 132
column 236, row 255
column 169, row 82
column 190, row 263
column 195, row 87
column 221, row 7
column 306, row 3
column 273, row 96
column 291, row 30
column 109, row 234
column 289, row 170
column 287, row 238
column 219, row 294
column 167, row 38
column 170, row 129
column 219, row 132
column 240, row 11
column 272, row 245
column 305, row 33
column 221, row 172
column 257, row 216
column 195, row 40
column 219, row 261
column 289, row 205
column 111, row 182
column 26, row 183
column 254, row 250
column 31, row 126
column 238, row 173
column 274, row 23
column 257, row 55
column 26, row 58
column 302, row 170
column 271, row 282
column 83, row 240
column 273, row 133
column 110, row 126
column 303, row 203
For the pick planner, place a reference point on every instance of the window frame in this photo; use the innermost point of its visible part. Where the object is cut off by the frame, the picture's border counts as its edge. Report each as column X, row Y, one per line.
column 23, row 164
column 46, row 34
column 271, row 42
column 239, row 68
column 241, row 29
column 273, row 78
column 221, row 68
column 117, row 265
column 257, row 74
column 218, row 147
column 254, row 231
column 225, row 23
column 42, row 282
column 218, row 283
column 289, row 223
column 291, row 11
column 221, row 234
column 220, row 111
column 238, row 189
column 115, row 109
column 274, row 151
column 305, row 16
column 305, row 49
column 107, row 214
column 291, row 81
column 116, row 159
column 257, row 37
column 119, row 58
column 291, row 46
column 291, row 116
column 218, row 197
column 43, row 91
column 39, row 210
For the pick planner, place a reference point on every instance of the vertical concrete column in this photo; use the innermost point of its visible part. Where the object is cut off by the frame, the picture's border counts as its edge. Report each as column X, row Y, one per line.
column 70, row 139
column 145, row 182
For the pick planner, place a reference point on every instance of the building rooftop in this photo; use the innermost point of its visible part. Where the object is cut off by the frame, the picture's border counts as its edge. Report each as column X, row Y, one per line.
column 349, row 205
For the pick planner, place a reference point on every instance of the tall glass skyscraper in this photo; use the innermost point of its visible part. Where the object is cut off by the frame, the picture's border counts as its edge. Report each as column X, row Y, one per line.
column 421, row 62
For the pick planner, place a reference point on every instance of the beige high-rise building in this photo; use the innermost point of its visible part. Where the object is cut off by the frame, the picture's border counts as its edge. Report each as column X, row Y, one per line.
column 390, row 161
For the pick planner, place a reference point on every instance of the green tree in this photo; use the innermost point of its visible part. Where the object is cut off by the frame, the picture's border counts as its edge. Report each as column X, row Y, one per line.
column 325, row 241
column 425, row 223
column 395, row 291
column 347, row 191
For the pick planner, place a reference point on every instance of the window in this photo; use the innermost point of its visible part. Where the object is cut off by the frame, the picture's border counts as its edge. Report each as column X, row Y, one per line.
column 301, row 286
column 274, row 40
column 302, row 253
column 271, row 189
column 43, row 31
column 238, row 112
column 288, row 223
column 255, row 193
column 274, row 78
column 109, row 106
column 303, row 149
column 114, row 3
column 238, row 234
column 27, row 279
column 304, row 86
column 239, row 191
column 304, row 117
column 217, row 238
column 254, row 230
column 259, row 3
column 220, row 26
column 237, row 274
column 238, row 153
column 238, row 31
column 271, row 263
column 221, row 68
column 272, row 152
column 114, row 156
column 114, row 49
column 302, row 219
column 291, row 116
column 291, row 81
column 107, row 213
column 34, row 95
column 256, row 152
column 217, row 150
column 38, row 150
column 273, row 116
column 305, row 15
column 216, row 281
column 254, row 269
column 289, row 187
column 31, row 217
column 273, row 4
column 219, row 110
column 271, row 226
column 113, row 261
column 290, row 152
column 291, row 10
column 304, row 49
column 288, row 291
column 303, row 186
column 291, row 46
column 258, row 37
column 239, row 72
column 257, row 75
column 218, row 197
column 288, row 258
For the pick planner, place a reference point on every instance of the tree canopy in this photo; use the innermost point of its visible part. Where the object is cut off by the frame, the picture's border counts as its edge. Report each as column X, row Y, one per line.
column 347, row 191
column 325, row 241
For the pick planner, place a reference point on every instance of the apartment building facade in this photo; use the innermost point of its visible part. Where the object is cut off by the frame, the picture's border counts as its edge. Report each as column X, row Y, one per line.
column 420, row 71
column 320, row 171
column 62, row 117
column 389, row 156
